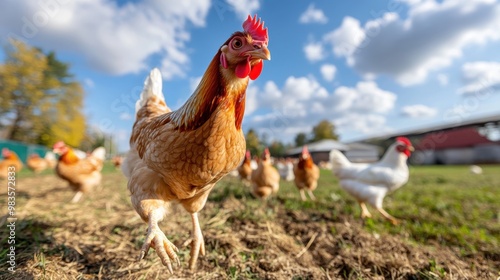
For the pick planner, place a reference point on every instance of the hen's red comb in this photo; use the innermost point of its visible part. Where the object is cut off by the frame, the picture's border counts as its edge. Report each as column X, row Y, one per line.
column 255, row 28
column 58, row 145
column 404, row 140
column 305, row 151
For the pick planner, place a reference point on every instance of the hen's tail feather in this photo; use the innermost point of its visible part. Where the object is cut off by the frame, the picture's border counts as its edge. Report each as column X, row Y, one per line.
column 338, row 160
column 152, row 91
column 99, row 153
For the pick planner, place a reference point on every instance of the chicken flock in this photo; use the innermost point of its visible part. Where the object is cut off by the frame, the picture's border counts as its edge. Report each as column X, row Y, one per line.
column 179, row 156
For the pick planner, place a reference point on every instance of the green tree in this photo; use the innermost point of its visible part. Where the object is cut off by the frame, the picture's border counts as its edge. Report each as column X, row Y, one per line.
column 324, row 130
column 253, row 142
column 40, row 102
column 301, row 139
column 22, row 88
column 277, row 149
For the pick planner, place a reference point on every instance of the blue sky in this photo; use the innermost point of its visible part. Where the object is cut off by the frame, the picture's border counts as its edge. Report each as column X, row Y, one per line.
column 371, row 67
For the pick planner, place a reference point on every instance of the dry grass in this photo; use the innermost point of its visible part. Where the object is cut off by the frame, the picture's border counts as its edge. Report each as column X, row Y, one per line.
column 283, row 238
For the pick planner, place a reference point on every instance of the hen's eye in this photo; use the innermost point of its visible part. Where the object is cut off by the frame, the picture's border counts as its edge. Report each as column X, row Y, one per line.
column 237, row 43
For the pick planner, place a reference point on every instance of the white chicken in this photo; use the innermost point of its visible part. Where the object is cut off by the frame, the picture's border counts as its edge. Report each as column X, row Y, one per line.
column 369, row 183
column 285, row 169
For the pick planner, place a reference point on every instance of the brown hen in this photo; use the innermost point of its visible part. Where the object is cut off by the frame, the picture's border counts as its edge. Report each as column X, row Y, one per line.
column 180, row 155
column 265, row 179
column 82, row 175
column 306, row 174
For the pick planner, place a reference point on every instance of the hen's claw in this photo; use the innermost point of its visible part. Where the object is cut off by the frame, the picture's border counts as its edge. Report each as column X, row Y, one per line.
column 165, row 249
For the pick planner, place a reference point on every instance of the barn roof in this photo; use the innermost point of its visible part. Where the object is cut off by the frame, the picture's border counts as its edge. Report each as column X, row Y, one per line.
column 457, row 138
column 362, row 147
column 320, row 146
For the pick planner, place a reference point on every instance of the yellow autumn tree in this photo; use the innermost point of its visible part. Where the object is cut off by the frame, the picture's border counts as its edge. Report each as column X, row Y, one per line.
column 40, row 102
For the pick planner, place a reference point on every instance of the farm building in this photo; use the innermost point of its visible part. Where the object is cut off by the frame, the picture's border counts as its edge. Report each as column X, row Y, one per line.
column 473, row 141
column 355, row 152
column 361, row 152
column 458, row 146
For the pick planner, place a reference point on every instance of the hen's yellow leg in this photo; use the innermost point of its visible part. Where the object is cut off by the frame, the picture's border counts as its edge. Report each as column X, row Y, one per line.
column 364, row 211
column 302, row 195
column 393, row 220
column 311, row 195
column 198, row 243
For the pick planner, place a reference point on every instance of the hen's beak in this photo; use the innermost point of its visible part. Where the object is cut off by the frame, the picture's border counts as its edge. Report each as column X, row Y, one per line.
column 262, row 53
column 411, row 149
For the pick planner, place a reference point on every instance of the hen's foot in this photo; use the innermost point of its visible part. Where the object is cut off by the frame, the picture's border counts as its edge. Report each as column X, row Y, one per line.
column 165, row 249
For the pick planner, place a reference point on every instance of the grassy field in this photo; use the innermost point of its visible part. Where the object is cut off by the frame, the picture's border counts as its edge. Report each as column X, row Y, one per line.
column 450, row 229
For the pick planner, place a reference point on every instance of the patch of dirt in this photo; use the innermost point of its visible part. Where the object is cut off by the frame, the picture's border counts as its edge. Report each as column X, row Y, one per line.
column 100, row 238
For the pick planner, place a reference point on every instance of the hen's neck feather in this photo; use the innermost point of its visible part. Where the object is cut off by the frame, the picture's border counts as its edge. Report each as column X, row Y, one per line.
column 305, row 163
column 218, row 88
column 69, row 157
column 393, row 157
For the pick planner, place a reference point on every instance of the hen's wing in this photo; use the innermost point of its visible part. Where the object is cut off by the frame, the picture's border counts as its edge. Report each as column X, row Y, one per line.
column 75, row 173
column 362, row 191
column 382, row 176
column 343, row 168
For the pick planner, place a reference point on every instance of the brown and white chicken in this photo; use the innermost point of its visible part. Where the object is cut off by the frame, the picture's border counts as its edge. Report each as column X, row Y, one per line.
column 369, row 183
column 306, row 174
column 265, row 179
column 179, row 156
column 82, row 175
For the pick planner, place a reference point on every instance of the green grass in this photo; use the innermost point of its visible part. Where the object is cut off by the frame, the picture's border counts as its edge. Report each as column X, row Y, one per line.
column 443, row 204
column 440, row 207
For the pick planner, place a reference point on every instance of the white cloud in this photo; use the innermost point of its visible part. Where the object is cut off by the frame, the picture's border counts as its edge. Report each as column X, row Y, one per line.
column 113, row 39
column 126, row 116
column 418, row 111
column 314, row 51
column 243, row 8
column 328, row 72
column 194, row 82
column 346, row 39
column 302, row 102
column 367, row 124
column 313, row 15
column 442, row 79
column 480, row 77
column 429, row 39
column 89, row 83
column 303, row 88
column 365, row 97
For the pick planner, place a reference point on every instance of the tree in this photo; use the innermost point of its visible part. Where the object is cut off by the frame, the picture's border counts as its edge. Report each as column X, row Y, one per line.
column 277, row 149
column 300, row 139
column 22, row 87
column 40, row 102
column 324, row 130
column 95, row 138
column 253, row 142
